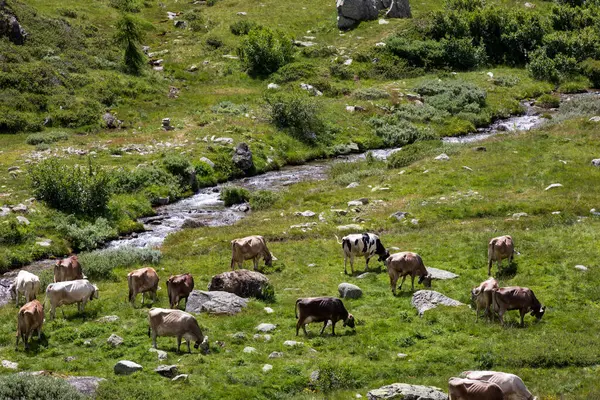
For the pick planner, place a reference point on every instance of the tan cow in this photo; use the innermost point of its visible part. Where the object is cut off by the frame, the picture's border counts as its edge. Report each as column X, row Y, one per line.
column 511, row 385
column 30, row 319
column 67, row 269
column 499, row 248
column 250, row 248
column 26, row 283
column 406, row 263
column 175, row 323
column 469, row 389
column 141, row 281
column 79, row 291
column 179, row 287
column 482, row 296
column 517, row 298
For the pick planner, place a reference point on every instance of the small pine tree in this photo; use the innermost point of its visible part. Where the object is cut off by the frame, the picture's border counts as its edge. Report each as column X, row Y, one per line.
column 129, row 34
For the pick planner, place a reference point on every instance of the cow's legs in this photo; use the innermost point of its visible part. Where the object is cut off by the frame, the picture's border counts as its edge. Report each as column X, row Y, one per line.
column 39, row 333
column 393, row 281
column 304, row 328
column 412, row 283
column 52, row 312
column 367, row 263
column 501, row 316
column 232, row 264
column 154, row 296
column 255, row 261
column 17, row 344
column 523, row 312
column 188, row 344
column 333, row 328
column 345, row 261
column 402, row 283
column 178, row 344
column 489, row 266
column 352, row 263
column 324, row 326
column 154, row 338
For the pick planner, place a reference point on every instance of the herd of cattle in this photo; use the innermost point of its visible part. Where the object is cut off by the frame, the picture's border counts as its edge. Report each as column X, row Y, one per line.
column 71, row 287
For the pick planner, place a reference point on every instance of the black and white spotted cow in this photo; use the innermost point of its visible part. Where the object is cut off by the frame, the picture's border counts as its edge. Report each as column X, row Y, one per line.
column 366, row 245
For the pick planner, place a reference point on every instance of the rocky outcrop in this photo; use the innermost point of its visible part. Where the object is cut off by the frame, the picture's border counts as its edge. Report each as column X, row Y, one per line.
column 10, row 27
column 352, row 12
column 395, row 8
column 242, row 157
column 349, row 291
column 87, row 385
column 407, row 392
column 424, row 300
column 215, row 303
column 126, row 367
column 440, row 274
column 241, row 282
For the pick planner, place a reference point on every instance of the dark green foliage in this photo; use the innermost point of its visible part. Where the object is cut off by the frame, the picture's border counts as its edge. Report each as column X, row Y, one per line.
column 455, row 53
column 453, row 96
column 194, row 19
column 15, row 386
column 591, row 69
column 99, row 264
column 548, row 101
column 234, row 195
column 294, row 71
column 263, row 199
column 154, row 182
column 13, row 122
column 542, row 67
column 298, row 114
column 47, row 138
column 336, row 376
column 371, row 93
column 129, row 35
column 400, row 133
column 133, row 6
column 228, row 107
column 85, row 236
column 464, row 5
column 12, row 232
column 412, row 153
column 242, row 27
column 214, row 42
column 181, row 168
column 264, row 51
column 83, row 190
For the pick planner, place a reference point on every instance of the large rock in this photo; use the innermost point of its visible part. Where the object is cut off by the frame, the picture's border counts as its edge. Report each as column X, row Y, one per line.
column 114, row 340
column 424, row 300
column 440, row 274
column 242, row 282
column 215, row 302
column 395, row 8
column 10, row 27
column 407, row 392
column 242, row 157
column 266, row 327
column 111, row 121
column 125, row 367
column 349, row 291
column 352, row 12
column 87, row 385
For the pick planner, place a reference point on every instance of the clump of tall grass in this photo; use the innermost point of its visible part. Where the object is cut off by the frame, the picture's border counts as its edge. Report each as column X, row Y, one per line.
column 100, row 264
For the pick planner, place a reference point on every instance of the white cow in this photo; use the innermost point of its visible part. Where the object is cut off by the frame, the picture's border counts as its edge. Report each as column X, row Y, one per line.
column 79, row 291
column 27, row 284
column 512, row 386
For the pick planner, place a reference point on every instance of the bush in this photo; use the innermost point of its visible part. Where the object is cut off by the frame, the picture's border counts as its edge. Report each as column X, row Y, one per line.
column 263, row 199
column 464, row 5
column 127, row 5
column 77, row 189
column 336, row 377
column 542, row 67
column 548, row 101
column 13, row 122
column 144, row 178
column 129, row 34
column 371, row 93
column 15, row 386
column 234, row 195
column 194, row 19
column 100, row 264
column 401, row 133
column 264, row 51
column 214, row 42
column 86, row 236
column 242, row 27
column 591, row 69
column 12, row 232
column 46, row 138
column 412, row 153
column 453, row 96
column 294, row 71
column 298, row 114
column 181, row 168
column 227, row 107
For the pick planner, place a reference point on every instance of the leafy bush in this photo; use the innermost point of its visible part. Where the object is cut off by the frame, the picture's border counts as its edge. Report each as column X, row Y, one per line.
column 453, row 96
column 99, row 264
column 264, row 51
column 542, row 67
column 13, row 122
column 400, row 133
column 142, row 178
column 46, row 138
column 194, row 19
column 12, row 232
column 242, row 27
column 227, row 107
column 578, row 107
column 214, row 42
column 412, row 153
column 294, row 71
column 234, row 195
column 181, row 168
column 548, row 101
column 371, row 93
column 127, row 5
column 86, row 236
column 129, row 34
column 591, row 69
column 335, row 377
column 15, row 386
column 263, row 199
column 298, row 114
column 72, row 189
column 420, row 113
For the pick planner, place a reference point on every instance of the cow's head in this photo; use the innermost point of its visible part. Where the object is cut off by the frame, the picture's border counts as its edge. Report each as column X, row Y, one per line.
column 475, row 293
column 197, row 344
column 349, row 321
column 384, row 256
column 94, row 294
column 268, row 259
column 539, row 313
column 425, row 280
column 381, row 251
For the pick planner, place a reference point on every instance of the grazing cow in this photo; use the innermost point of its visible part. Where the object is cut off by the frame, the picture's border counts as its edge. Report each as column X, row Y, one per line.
column 469, row 389
column 517, row 298
column 179, row 287
column 174, row 323
column 250, row 248
column 68, row 269
column 499, row 248
column 26, row 283
column 70, row 292
column 29, row 320
column 365, row 244
column 141, row 281
column 406, row 263
column 322, row 309
column 511, row 385
column 482, row 296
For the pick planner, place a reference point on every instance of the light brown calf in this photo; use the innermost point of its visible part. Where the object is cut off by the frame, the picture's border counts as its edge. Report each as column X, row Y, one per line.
column 404, row 264
column 179, row 287
column 67, row 269
column 482, row 296
column 499, row 248
column 29, row 319
column 469, row 389
column 141, row 281
column 250, row 248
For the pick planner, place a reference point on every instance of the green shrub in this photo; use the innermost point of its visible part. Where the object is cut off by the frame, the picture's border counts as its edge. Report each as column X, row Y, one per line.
column 420, row 113
column 127, row 5
column 214, row 42
column 457, row 127
column 12, row 232
column 142, row 178
column 548, row 101
column 15, row 386
column 453, row 96
column 333, row 376
column 234, row 195
column 264, row 51
column 371, row 93
column 505, row 81
column 129, row 34
column 319, row 51
column 298, row 114
column 72, row 189
column 464, row 5
column 180, row 167
column 542, row 67
column 263, row 199
column 412, row 153
column 67, row 12
column 400, row 133
column 194, row 20
column 242, row 27
column 86, row 236
column 12, row 121
column 227, row 107
column 100, row 264
column 294, row 71
column 591, row 69
column 577, row 85
column 46, row 138
column 42, row 147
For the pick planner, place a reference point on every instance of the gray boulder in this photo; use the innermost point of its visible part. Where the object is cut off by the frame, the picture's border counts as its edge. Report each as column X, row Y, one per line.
column 440, row 274
column 20, row 208
column 22, row 220
column 352, row 12
column 192, row 223
column 108, row 318
column 87, row 385
column 596, row 162
column 266, row 327
column 162, row 355
column 9, row 364
column 10, row 27
column 125, row 367
column 207, row 161
column 395, row 8
column 399, row 215
column 407, row 392
column 114, row 340
column 110, row 121
column 215, row 302
column 276, row 354
column 424, row 300
column 349, row 291
column 168, row 371
column 242, row 157
column 241, row 282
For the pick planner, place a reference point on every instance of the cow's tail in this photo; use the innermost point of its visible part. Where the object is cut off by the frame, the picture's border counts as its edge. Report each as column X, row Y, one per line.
column 296, row 307
column 338, row 239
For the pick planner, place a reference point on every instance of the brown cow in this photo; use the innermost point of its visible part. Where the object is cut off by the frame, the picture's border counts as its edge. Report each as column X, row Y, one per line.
column 30, row 319
column 67, row 269
column 322, row 309
column 482, row 296
column 406, row 263
column 141, row 281
column 179, row 287
column 175, row 323
column 499, row 248
column 517, row 298
column 250, row 248
column 469, row 389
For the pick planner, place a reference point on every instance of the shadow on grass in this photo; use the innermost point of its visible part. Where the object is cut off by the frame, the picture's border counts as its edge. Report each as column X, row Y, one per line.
column 509, row 271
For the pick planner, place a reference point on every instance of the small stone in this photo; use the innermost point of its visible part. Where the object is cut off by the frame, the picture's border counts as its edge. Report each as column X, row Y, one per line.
column 352, row 185
column 363, row 275
column 399, row 215
column 239, row 335
column 358, row 396
column 242, row 13
column 467, row 168
column 87, row 343
column 44, row 243
column 9, row 364
column 380, row 44
column 125, row 367
column 168, row 371
column 348, row 62
column 401, row 355
column 108, row 318
column 595, row 119
column 207, row 161
column 314, row 376
column 292, row 343
column 349, row 291
column 268, row 310
column 180, row 378
column 180, row 24
column 70, row 359
column 276, row 354
column 162, row 355
column 114, row 340
column 480, row 148
column 424, row 300
column 22, row 220
column 249, row 349
column 15, row 168
column 554, row 185
column 383, row 22
column 20, row 208
column 443, row 157
column 358, row 203
column 529, row 5
column 350, row 227
column 555, row 212
column 519, row 215
column 596, row 162
column 272, row 86
column 380, row 189
column 340, row 212
column 193, row 68
column 265, row 327
column 414, row 221
column 267, row 367
column 306, row 213
column 581, row 267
